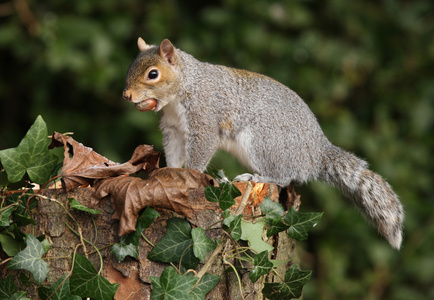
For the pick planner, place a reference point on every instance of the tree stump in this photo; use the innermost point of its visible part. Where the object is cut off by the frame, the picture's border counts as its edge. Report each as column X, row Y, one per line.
column 134, row 275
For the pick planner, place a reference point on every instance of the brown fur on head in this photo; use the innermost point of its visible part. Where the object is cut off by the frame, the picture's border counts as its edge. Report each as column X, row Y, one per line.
column 152, row 78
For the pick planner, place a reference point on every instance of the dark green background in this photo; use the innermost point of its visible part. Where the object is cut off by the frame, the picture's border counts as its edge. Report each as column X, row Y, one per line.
column 364, row 67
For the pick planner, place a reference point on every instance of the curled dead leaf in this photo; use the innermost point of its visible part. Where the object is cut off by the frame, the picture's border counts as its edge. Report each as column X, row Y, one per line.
column 82, row 165
column 166, row 188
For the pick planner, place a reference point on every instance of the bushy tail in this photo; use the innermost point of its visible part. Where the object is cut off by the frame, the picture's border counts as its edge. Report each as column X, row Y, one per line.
column 367, row 190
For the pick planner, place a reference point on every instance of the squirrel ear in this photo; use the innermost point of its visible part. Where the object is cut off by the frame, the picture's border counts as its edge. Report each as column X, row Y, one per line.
column 142, row 44
column 167, row 51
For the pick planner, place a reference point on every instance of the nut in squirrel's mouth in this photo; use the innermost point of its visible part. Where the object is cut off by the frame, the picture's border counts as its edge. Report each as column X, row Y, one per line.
column 146, row 105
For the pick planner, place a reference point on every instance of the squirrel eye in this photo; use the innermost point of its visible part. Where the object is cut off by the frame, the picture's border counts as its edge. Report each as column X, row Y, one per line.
column 153, row 74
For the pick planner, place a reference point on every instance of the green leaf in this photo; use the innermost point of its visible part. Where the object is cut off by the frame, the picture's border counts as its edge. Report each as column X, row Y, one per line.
column 224, row 194
column 3, row 179
column 10, row 245
column 86, row 282
column 129, row 243
column 25, row 280
column 30, row 259
column 277, row 227
column 144, row 221
column 121, row 250
column 19, row 296
column 7, row 288
column 31, row 156
column 22, row 201
column 235, row 227
column 17, row 234
column 44, row 242
column 60, row 290
column 202, row 244
column 233, row 190
column 5, row 213
column 171, row 285
column 273, row 211
column 273, row 216
column 292, row 286
column 252, row 233
column 176, row 245
column 78, row 206
column 22, row 220
column 261, row 267
column 300, row 223
column 213, row 194
column 206, row 284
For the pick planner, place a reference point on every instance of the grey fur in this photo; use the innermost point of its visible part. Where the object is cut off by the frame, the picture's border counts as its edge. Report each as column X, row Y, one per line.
column 266, row 125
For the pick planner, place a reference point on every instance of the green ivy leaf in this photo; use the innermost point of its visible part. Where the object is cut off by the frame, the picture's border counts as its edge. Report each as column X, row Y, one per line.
column 3, row 179
column 22, row 220
column 235, row 227
column 25, row 280
column 206, row 284
column 86, row 282
column 60, row 290
column 300, row 223
column 273, row 211
column 10, row 245
column 277, row 227
column 30, row 259
column 144, row 221
column 18, row 235
column 292, row 286
column 78, row 206
column 171, row 285
column 44, row 242
column 202, row 244
column 261, row 267
column 5, row 213
column 31, row 156
column 224, row 194
column 252, row 233
column 129, row 243
column 19, row 296
column 176, row 245
column 122, row 249
column 7, row 288
column 22, row 201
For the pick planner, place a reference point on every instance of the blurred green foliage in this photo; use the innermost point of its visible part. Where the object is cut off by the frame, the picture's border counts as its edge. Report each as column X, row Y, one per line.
column 366, row 68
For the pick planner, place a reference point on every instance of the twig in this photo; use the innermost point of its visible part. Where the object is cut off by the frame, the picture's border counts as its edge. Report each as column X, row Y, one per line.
column 244, row 200
column 27, row 16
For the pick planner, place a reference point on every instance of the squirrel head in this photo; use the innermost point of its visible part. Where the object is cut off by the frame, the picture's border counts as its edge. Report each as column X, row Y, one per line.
column 152, row 79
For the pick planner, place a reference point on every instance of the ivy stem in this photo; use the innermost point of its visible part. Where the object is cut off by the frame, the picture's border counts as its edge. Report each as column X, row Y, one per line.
column 238, row 276
column 148, row 241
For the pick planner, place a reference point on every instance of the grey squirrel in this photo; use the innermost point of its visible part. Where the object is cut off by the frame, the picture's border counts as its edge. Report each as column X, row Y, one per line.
column 266, row 125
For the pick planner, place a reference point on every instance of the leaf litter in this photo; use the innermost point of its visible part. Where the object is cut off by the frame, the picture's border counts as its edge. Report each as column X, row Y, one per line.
column 166, row 188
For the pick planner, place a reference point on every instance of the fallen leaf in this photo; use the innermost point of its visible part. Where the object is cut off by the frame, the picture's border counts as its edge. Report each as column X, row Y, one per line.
column 259, row 192
column 166, row 188
column 82, row 165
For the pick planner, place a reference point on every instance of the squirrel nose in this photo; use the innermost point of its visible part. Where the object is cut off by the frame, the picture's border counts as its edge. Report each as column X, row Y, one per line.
column 127, row 95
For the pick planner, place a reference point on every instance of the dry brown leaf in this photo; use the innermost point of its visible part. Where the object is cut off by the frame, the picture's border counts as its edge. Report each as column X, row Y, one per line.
column 82, row 165
column 166, row 188
column 257, row 195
